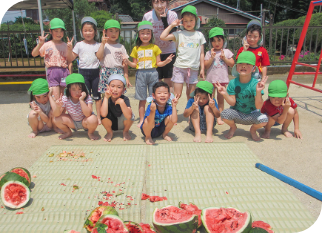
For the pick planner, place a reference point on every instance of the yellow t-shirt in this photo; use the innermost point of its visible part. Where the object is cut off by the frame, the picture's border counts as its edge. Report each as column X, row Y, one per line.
column 146, row 56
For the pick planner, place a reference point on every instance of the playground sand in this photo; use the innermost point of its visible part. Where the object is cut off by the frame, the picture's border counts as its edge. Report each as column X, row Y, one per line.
column 298, row 159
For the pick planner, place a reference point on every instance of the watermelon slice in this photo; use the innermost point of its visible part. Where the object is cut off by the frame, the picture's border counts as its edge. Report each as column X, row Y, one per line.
column 15, row 194
column 263, row 225
column 146, row 228
column 226, row 220
column 22, row 172
column 174, row 219
column 110, row 224
column 10, row 176
column 95, row 215
column 133, row 227
column 192, row 208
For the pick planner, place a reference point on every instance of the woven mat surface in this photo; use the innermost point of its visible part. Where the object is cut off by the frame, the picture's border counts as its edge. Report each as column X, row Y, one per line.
column 68, row 186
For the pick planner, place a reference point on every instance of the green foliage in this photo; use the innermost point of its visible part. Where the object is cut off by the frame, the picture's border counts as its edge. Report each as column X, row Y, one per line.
column 101, row 17
column 25, row 20
column 134, row 8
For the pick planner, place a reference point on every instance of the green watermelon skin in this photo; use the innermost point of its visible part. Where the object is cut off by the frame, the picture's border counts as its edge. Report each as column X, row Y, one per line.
column 10, row 176
column 95, row 215
column 15, row 194
column 23, row 170
column 133, row 227
column 189, row 226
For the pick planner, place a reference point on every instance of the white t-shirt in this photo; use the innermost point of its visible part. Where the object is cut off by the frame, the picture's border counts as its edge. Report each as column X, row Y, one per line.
column 188, row 44
column 158, row 28
column 75, row 110
column 113, row 56
column 86, row 53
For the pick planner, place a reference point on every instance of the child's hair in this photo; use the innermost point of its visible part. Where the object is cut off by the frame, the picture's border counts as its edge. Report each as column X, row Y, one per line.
column 201, row 91
column 93, row 25
column 82, row 85
column 219, row 36
column 160, row 84
column 254, row 27
column 139, row 41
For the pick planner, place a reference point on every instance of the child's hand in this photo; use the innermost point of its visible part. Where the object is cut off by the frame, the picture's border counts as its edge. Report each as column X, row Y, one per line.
column 169, row 59
column 202, row 74
column 221, row 89
column 177, row 22
column 35, row 107
column 128, row 84
column 175, row 100
column 119, row 101
column 153, row 106
column 213, row 53
column 82, row 97
column 70, row 43
column 297, row 134
column 108, row 93
column 261, row 84
column 104, row 38
column 125, row 60
column 211, row 102
column 195, row 104
column 245, row 44
column 42, row 38
column 286, row 103
column 164, row 14
column 59, row 102
column 222, row 55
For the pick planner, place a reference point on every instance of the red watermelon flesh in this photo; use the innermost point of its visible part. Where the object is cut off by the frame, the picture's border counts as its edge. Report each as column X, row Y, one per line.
column 172, row 214
column 114, row 225
column 15, row 194
column 262, row 225
column 193, row 209
column 22, row 173
column 133, row 227
column 146, row 228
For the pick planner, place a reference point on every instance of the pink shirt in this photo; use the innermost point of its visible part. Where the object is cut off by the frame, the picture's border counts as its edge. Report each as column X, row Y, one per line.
column 218, row 71
column 158, row 28
column 55, row 54
column 75, row 110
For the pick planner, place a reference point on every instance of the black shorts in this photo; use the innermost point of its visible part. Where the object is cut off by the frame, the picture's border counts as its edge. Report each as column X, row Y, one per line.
column 92, row 78
column 166, row 71
column 156, row 131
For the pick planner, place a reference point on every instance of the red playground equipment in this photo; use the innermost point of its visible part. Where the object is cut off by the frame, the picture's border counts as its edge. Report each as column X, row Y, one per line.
column 298, row 50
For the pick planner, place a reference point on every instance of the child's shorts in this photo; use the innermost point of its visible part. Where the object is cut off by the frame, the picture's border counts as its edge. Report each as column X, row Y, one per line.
column 44, row 129
column 92, row 77
column 167, row 70
column 255, row 117
column 78, row 125
column 56, row 76
column 156, row 131
column 117, row 122
column 105, row 74
column 145, row 79
column 203, row 123
column 187, row 75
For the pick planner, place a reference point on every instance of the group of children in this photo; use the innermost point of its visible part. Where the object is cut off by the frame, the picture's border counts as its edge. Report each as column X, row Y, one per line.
column 161, row 52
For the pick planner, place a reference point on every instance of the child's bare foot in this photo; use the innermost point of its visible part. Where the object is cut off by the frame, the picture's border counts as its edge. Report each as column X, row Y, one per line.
column 140, row 123
column 220, row 121
column 65, row 135
column 167, row 138
column 231, row 132
column 254, row 135
column 266, row 134
column 197, row 138
column 99, row 120
column 108, row 137
column 58, row 130
column 149, row 141
column 287, row 133
column 126, row 136
column 209, row 139
column 33, row 134
column 93, row 136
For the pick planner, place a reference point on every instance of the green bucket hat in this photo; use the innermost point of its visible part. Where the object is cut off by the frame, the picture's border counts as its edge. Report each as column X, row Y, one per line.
column 277, row 88
column 204, row 85
column 112, row 23
column 39, row 86
column 247, row 57
column 57, row 23
column 145, row 25
column 216, row 31
column 75, row 78
column 190, row 9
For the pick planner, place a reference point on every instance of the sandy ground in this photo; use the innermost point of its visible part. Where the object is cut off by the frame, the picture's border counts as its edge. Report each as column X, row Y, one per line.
column 298, row 159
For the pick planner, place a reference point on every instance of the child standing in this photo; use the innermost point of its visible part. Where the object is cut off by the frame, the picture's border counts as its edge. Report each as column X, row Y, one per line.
column 116, row 109
column 146, row 58
column 280, row 109
column 217, row 61
column 111, row 54
column 55, row 53
column 190, row 51
column 40, row 117
column 244, row 95
column 88, row 62
column 160, row 116
column 252, row 43
column 161, row 18
column 78, row 103
column 202, row 110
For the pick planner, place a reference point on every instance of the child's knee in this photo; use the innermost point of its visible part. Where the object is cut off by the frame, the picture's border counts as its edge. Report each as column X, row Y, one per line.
column 195, row 114
column 291, row 111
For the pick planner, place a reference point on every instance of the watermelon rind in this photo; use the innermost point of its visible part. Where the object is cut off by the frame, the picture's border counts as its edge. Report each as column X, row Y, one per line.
column 133, row 224
column 100, row 223
column 10, row 176
column 245, row 229
column 22, row 204
column 25, row 170
column 88, row 225
column 2, row 177
column 188, row 226
column 258, row 230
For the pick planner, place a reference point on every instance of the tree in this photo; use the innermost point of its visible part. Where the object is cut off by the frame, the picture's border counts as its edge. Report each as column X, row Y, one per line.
column 101, row 17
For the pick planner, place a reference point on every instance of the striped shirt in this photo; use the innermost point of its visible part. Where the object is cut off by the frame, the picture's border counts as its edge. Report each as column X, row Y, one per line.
column 75, row 110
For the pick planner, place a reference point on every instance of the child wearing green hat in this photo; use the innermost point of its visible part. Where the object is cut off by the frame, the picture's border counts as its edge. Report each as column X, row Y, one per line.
column 78, row 103
column 280, row 109
column 217, row 61
column 40, row 117
column 190, row 50
column 55, row 53
column 146, row 58
column 111, row 54
column 203, row 110
column 244, row 95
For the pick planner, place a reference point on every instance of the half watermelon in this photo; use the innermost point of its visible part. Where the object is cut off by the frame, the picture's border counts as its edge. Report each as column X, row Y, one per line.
column 15, row 194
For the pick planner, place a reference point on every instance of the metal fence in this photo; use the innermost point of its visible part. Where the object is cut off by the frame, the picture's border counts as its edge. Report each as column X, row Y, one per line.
column 280, row 42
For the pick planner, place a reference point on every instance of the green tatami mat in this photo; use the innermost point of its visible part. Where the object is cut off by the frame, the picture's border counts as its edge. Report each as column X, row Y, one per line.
column 216, row 174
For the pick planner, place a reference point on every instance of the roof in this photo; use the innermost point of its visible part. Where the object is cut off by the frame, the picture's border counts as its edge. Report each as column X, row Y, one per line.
column 45, row 4
column 221, row 5
column 125, row 18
